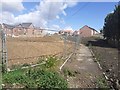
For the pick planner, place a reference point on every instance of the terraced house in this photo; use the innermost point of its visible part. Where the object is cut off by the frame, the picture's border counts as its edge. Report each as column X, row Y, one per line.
column 22, row 30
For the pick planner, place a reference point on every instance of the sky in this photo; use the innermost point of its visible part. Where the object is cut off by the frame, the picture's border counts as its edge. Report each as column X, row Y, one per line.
column 56, row 15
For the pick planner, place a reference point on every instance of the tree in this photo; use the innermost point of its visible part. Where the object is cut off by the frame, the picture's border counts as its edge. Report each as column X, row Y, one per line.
column 111, row 29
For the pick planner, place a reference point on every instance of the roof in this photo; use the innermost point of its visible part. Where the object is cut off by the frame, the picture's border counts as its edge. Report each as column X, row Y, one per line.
column 8, row 26
column 89, row 27
column 26, row 25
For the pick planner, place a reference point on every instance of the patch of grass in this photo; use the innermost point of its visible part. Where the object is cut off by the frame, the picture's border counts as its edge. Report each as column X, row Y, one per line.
column 26, row 64
column 68, row 72
column 14, row 77
column 35, row 78
column 51, row 63
column 101, row 82
column 96, row 54
column 42, row 76
column 16, row 66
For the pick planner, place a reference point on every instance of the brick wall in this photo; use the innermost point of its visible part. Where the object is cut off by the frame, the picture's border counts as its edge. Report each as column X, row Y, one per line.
column 85, row 32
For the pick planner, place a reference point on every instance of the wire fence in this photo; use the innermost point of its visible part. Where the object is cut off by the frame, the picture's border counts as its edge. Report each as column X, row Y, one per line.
column 30, row 50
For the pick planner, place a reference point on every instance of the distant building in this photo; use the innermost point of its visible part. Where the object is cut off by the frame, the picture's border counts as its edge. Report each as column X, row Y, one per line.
column 68, row 32
column 75, row 33
column 87, row 31
column 8, row 29
column 23, row 29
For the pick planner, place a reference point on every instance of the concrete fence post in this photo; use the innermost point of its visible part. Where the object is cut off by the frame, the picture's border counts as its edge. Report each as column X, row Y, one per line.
column 0, row 61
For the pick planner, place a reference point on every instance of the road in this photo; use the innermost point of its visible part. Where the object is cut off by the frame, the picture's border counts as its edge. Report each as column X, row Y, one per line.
column 87, row 70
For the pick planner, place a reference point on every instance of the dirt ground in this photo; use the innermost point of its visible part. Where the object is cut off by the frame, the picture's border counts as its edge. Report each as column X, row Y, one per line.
column 86, row 70
column 107, row 56
column 28, row 50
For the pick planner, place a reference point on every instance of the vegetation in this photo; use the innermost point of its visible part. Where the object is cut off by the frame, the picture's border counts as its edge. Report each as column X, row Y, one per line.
column 37, row 77
column 102, row 83
column 68, row 72
column 111, row 29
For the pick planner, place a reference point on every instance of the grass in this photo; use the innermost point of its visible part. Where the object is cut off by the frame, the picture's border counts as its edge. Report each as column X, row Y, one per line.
column 96, row 54
column 102, row 83
column 43, row 76
column 68, row 72
column 34, row 78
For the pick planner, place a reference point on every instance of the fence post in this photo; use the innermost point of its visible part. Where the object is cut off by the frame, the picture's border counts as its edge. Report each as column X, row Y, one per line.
column 65, row 44
column 4, row 52
column 0, row 61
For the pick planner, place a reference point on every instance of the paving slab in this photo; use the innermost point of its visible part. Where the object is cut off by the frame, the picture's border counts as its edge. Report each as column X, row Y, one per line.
column 83, row 63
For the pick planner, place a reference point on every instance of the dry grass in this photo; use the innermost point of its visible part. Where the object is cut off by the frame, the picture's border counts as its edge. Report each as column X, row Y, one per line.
column 27, row 50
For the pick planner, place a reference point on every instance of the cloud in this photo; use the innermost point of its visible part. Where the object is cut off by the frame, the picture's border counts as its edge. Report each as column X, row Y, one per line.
column 34, row 17
column 12, row 6
column 7, row 17
column 55, row 27
column 50, row 10
column 72, row 3
column 57, row 17
column 62, row 21
column 44, row 12
column 68, row 28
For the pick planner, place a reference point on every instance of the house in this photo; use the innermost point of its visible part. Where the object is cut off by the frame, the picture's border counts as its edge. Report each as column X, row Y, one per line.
column 8, row 29
column 23, row 29
column 68, row 32
column 17, row 30
column 28, row 29
column 87, row 31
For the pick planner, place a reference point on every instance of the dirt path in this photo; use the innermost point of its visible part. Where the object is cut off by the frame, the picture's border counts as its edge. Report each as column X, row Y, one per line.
column 85, row 69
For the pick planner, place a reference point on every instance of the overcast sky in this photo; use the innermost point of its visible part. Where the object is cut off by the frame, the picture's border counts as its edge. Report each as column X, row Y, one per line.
column 70, row 14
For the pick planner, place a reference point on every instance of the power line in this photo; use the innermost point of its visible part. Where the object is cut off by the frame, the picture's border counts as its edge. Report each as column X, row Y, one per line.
column 80, row 8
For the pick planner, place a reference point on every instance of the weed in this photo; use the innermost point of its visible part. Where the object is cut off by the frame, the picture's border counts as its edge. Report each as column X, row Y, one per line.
column 26, row 64
column 101, row 82
column 68, row 72
column 50, row 62
column 35, row 78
